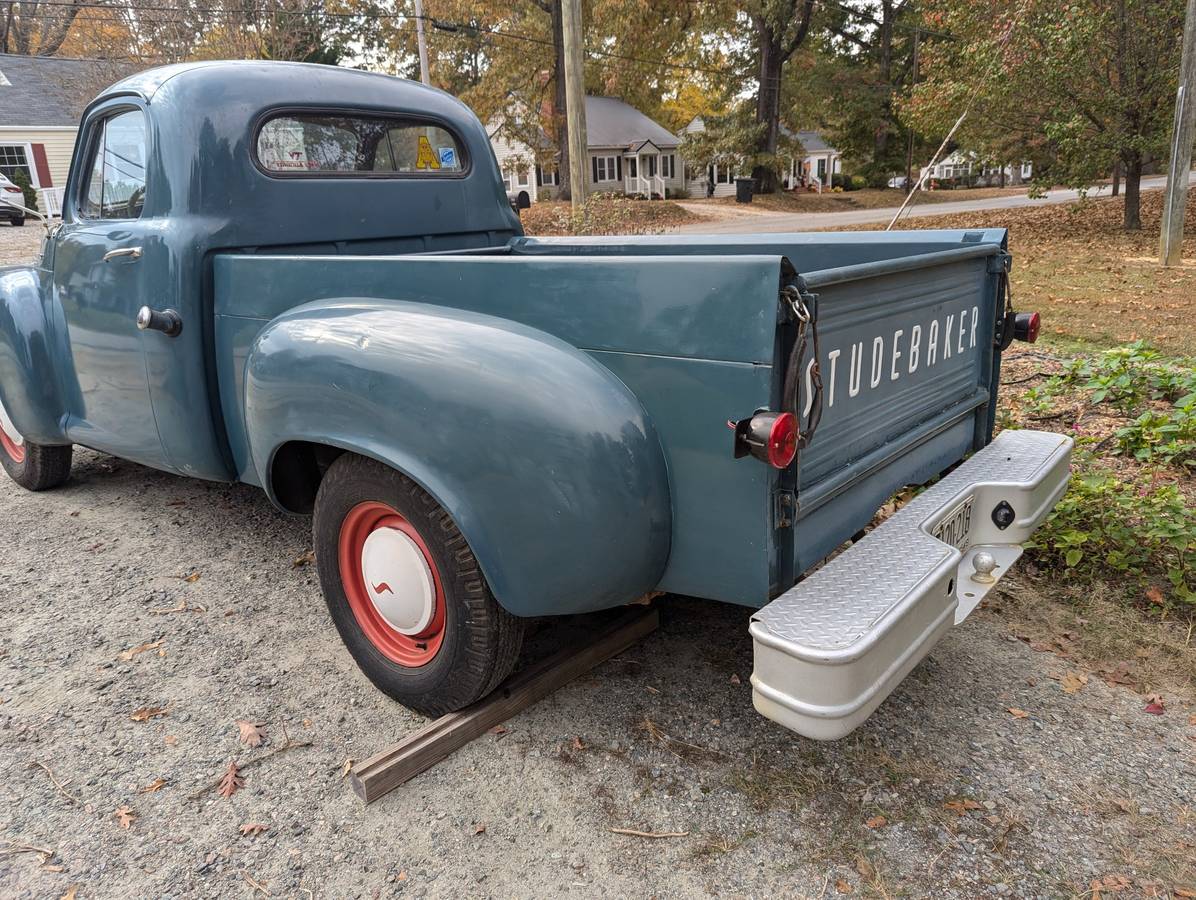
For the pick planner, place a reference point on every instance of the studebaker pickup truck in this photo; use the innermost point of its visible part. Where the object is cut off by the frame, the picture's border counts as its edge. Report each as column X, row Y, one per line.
column 310, row 279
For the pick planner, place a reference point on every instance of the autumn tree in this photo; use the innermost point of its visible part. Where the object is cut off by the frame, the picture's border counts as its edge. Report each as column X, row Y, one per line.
column 1079, row 86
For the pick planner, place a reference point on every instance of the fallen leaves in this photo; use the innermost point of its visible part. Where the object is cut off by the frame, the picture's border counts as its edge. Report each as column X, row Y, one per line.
column 230, row 781
column 149, row 712
column 251, row 733
column 71, row 893
column 1071, row 682
column 191, row 577
column 303, row 559
column 125, row 815
column 735, row 679
column 1018, row 713
column 171, row 740
column 876, row 822
column 1155, row 705
column 578, row 743
column 251, row 829
column 500, row 730
column 962, row 806
column 153, row 787
column 347, row 767
column 127, row 655
column 479, row 828
column 842, row 886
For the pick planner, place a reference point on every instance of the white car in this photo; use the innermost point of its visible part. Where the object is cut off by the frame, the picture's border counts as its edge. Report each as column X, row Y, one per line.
column 898, row 181
column 9, row 191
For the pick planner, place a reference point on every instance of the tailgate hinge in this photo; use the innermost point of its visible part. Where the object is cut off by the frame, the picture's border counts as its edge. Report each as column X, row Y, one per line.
column 1000, row 263
column 784, row 508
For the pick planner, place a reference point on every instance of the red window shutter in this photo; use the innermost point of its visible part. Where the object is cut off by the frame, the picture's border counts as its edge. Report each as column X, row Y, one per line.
column 42, row 166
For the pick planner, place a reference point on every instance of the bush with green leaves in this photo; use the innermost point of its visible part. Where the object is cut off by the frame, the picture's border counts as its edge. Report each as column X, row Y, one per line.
column 29, row 192
column 1104, row 526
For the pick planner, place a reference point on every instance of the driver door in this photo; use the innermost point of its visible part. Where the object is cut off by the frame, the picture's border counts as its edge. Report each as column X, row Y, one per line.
column 105, row 259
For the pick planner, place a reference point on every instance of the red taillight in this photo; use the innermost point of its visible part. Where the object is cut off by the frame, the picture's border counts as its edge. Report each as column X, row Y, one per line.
column 782, row 440
column 769, row 436
column 1025, row 327
column 11, row 189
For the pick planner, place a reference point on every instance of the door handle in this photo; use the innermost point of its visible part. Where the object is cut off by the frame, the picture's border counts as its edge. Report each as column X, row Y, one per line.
column 130, row 252
column 167, row 321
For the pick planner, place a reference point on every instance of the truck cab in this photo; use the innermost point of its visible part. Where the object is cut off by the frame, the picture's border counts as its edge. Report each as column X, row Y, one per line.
column 310, row 279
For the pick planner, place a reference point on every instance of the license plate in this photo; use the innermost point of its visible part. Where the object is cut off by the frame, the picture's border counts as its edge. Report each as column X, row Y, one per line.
column 954, row 528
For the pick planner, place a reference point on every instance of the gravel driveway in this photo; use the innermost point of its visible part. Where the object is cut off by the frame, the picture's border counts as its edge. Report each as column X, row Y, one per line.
column 145, row 614
column 18, row 245
column 944, row 791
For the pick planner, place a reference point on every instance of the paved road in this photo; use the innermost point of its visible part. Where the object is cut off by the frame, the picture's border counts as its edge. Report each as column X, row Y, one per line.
column 760, row 223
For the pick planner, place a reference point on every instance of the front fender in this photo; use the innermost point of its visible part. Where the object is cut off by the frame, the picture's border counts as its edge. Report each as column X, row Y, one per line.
column 28, row 380
column 547, row 462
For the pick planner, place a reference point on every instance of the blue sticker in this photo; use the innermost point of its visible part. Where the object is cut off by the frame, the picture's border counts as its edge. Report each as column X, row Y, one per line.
column 448, row 156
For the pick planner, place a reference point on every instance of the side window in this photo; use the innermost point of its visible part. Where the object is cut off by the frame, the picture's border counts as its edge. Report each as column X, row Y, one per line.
column 328, row 144
column 115, row 186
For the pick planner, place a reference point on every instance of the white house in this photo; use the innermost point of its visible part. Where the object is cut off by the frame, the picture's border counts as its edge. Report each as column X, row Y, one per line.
column 813, row 169
column 40, row 102
column 965, row 164
column 627, row 153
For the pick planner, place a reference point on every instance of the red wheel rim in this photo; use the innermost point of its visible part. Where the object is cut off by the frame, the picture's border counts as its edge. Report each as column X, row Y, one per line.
column 13, row 450
column 410, row 650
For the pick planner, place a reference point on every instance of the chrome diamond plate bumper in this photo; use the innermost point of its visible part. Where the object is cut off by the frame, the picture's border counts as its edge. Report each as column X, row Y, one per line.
column 830, row 649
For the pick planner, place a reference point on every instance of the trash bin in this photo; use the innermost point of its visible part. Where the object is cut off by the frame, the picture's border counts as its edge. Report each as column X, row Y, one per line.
column 743, row 190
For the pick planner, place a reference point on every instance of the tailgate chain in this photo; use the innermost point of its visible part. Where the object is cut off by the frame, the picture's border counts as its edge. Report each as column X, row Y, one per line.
column 807, row 333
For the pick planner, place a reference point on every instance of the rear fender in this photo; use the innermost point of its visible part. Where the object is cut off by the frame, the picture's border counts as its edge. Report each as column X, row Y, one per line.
column 28, row 378
column 548, row 464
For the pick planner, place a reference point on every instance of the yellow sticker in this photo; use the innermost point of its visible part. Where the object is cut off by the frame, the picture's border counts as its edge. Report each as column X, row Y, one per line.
column 427, row 158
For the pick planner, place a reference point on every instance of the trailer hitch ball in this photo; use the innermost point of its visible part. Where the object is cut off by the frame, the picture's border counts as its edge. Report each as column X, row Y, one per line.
column 768, row 436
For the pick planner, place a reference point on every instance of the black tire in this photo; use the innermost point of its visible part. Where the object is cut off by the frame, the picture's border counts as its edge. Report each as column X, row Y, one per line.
column 17, row 223
column 479, row 640
column 42, row 468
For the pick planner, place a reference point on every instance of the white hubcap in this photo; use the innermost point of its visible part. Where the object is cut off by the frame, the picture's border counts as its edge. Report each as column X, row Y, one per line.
column 10, row 430
column 398, row 580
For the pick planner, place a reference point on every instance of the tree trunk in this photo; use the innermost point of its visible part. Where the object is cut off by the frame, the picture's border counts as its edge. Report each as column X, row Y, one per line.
column 559, row 107
column 1133, row 183
column 768, row 106
column 1116, row 178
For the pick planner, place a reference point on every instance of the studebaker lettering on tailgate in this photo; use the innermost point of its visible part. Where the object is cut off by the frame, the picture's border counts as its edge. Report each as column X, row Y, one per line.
column 260, row 277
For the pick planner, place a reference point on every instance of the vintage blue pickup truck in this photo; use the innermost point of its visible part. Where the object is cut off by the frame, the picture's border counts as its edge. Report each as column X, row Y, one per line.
column 309, row 279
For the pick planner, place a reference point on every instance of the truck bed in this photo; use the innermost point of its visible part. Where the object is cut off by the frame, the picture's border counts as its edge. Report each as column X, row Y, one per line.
column 690, row 324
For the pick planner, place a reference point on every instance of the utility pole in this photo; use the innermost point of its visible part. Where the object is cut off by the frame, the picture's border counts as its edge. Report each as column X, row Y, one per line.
column 575, row 99
column 422, row 41
column 1183, row 134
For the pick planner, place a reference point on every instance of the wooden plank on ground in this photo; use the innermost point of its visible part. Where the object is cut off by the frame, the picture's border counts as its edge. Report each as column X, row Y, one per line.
column 418, row 752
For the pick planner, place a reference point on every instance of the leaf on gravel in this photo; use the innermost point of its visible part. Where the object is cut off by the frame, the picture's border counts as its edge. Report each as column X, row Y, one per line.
column 842, row 886
column 149, row 712
column 171, row 740
column 307, row 556
column 127, row 655
column 735, row 680
column 347, row 767
column 253, row 828
column 1120, row 674
column 876, row 822
column 153, row 787
column 479, row 828
column 191, row 578
column 1155, row 705
column 865, row 868
column 71, row 893
column 125, row 815
column 230, row 782
column 251, row 733
column 1072, row 682
column 1018, row 713
column 500, row 730
column 961, row 807
column 578, row 743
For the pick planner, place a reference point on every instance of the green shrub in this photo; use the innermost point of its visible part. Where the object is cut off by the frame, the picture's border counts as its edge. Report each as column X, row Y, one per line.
column 1141, row 534
column 21, row 180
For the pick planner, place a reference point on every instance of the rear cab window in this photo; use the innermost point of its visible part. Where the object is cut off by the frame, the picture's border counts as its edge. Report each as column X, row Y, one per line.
column 340, row 144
